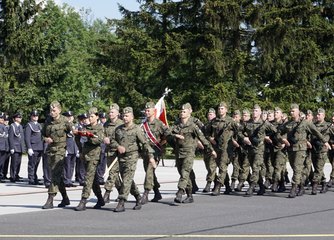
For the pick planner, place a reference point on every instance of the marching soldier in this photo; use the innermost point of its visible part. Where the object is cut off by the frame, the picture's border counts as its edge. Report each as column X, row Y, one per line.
column 111, row 153
column 187, row 134
column 156, row 133
column 126, row 140
column 209, row 161
column 101, row 168
column 319, row 152
column 294, row 135
column 91, row 147
column 331, row 152
column 16, row 146
column 35, row 145
column 54, row 132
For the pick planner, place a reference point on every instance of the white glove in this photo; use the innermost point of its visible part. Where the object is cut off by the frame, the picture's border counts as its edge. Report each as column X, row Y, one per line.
column 30, row 152
column 12, row 151
column 66, row 153
column 78, row 154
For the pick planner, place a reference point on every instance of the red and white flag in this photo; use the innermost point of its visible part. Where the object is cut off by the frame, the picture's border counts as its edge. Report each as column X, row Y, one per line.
column 160, row 108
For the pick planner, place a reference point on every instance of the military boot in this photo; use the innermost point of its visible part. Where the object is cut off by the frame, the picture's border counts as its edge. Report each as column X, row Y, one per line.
column 138, row 203
column 281, row 187
column 267, row 184
column 330, row 183
column 262, row 189
column 178, row 198
column 65, row 201
column 189, row 198
column 106, row 197
column 314, row 188
column 301, row 190
column 274, row 187
column 324, row 187
column 82, row 205
column 216, row 189
column 100, row 201
column 195, row 187
column 120, row 206
column 207, row 187
column 49, row 201
column 157, row 195
column 144, row 198
column 250, row 190
column 293, row 190
column 286, row 177
column 239, row 187
column 228, row 189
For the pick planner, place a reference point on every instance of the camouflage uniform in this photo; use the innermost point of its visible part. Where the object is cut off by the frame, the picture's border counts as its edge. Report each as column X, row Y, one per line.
column 57, row 130
column 155, row 132
column 296, row 134
column 133, row 140
column 331, row 154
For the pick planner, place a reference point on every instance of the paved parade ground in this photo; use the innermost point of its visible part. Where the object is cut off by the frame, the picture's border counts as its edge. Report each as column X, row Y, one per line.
column 272, row 216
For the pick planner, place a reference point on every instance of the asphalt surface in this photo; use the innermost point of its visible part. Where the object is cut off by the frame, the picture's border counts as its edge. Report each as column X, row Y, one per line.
column 272, row 216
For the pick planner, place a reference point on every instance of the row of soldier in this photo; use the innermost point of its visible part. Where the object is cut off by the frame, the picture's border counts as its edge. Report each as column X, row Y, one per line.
column 257, row 145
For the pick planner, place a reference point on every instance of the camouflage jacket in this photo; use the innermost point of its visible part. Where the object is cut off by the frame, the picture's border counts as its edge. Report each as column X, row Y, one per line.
column 317, row 144
column 109, row 130
column 91, row 146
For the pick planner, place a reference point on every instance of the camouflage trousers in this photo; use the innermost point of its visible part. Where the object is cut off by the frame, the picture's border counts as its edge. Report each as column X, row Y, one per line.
column 255, row 158
column 236, row 163
column 56, row 166
column 223, row 159
column 211, row 166
column 151, row 180
column 268, row 158
column 244, row 167
column 307, row 172
column 318, row 161
column 184, row 167
column 91, row 179
column 296, row 160
column 127, row 168
column 113, row 177
column 280, row 158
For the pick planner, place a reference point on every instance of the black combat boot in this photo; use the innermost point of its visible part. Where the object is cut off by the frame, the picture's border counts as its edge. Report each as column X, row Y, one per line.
column 262, row 189
column 120, row 206
column 195, row 187
column 314, row 188
column 239, row 187
column 228, row 189
column 49, row 201
column 250, row 190
column 138, row 203
column 106, row 197
column 274, row 187
column 330, row 183
column 144, row 198
column 301, row 190
column 207, row 187
column 324, row 187
column 178, row 198
column 82, row 205
column 286, row 177
column 293, row 190
column 233, row 184
column 100, row 201
column 189, row 198
column 65, row 201
column 216, row 189
column 281, row 187
column 157, row 195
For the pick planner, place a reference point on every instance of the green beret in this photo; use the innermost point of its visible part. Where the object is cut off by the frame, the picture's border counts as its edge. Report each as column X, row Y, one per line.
column 186, row 106
column 127, row 110
column 294, row 106
column 149, row 105
column 114, row 106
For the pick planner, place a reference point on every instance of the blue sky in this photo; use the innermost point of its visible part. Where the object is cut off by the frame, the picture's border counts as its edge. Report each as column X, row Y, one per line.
column 102, row 8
